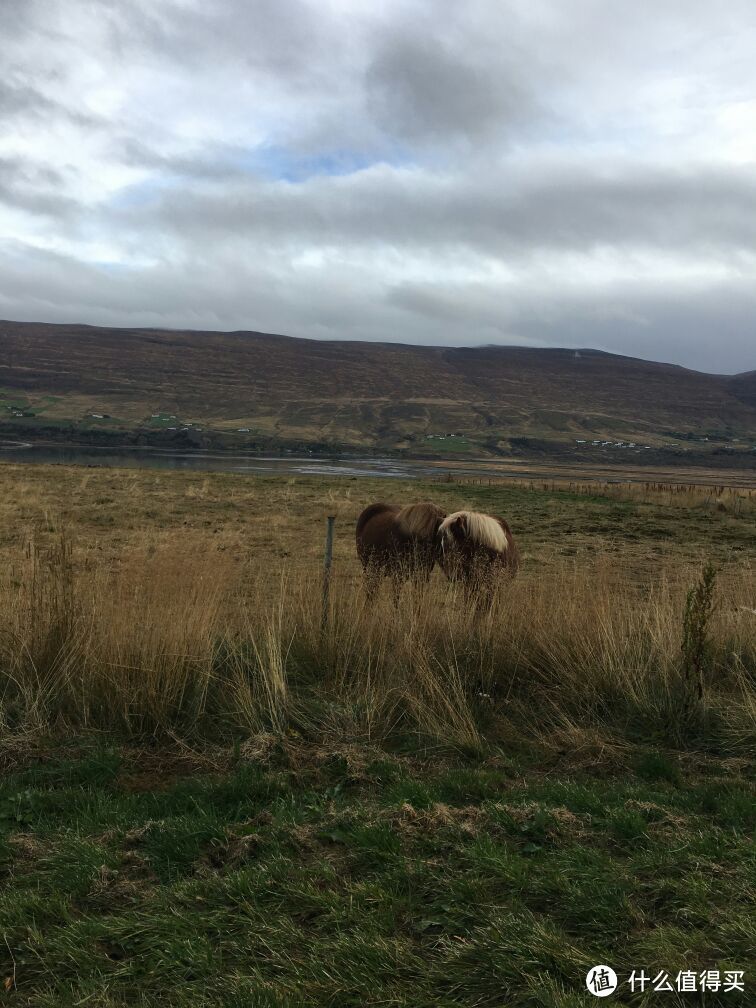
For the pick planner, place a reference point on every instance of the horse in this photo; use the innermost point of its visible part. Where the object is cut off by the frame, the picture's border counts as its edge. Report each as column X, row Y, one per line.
column 398, row 542
column 477, row 549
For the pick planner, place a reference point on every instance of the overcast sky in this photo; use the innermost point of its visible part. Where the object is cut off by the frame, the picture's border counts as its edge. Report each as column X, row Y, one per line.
column 533, row 172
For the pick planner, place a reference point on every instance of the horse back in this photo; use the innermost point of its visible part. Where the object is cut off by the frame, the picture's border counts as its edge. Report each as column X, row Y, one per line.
column 383, row 543
column 387, row 511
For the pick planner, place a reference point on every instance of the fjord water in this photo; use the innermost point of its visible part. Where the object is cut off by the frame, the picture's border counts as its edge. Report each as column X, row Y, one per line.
column 142, row 458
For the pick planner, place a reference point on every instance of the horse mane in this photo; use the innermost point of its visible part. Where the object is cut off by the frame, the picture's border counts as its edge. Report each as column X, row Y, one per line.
column 420, row 521
column 481, row 529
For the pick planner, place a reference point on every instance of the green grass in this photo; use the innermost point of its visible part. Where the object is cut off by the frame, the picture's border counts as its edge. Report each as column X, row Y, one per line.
column 453, row 443
column 10, row 401
column 162, row 421
column 382, row 882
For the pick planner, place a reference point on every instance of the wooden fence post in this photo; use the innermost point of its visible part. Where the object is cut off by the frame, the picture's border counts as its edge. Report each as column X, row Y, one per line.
column 327, row 561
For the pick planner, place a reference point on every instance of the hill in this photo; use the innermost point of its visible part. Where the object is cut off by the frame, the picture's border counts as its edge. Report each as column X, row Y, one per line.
column 252, row 388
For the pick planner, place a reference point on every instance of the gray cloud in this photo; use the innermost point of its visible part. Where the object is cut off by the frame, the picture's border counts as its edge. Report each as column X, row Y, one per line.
column 220, row 164
column 646, row 319
column 19, row 101
column 36, row 189
column 486, row 211
column 421, row 89
column 17, row 16
column 277, row 38
column 489, row 172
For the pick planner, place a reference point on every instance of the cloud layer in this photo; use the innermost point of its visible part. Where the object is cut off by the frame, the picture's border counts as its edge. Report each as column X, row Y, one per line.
column 492, row 172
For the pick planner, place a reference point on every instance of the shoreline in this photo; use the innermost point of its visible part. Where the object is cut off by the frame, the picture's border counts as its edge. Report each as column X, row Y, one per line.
column 362, row 466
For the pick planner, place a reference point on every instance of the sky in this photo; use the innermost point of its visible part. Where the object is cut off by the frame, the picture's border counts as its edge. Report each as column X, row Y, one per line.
column 576, row 173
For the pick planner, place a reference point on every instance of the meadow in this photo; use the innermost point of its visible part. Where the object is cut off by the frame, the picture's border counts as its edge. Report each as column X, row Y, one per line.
column 210, row 796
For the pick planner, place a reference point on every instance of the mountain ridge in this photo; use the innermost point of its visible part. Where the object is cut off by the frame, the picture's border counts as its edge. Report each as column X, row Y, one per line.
column 73, row 327
column 383, row 396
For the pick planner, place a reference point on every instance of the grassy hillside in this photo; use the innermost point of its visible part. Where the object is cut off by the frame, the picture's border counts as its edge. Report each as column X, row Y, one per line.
column 256, row 388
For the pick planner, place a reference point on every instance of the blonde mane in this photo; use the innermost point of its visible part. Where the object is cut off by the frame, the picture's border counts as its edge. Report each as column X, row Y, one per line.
column 419, row 521
column 481, row 529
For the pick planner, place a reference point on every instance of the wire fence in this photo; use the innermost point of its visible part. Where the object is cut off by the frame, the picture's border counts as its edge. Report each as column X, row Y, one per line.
column 744, row 484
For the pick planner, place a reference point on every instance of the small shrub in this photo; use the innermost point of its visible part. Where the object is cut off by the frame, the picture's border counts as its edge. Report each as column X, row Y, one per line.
column 696, row 647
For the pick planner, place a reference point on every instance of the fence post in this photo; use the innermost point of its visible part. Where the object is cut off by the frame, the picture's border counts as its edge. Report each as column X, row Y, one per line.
column 327, row 561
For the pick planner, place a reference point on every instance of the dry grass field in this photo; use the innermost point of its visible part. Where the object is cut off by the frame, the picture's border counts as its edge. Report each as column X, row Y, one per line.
column 210, row 799
column 145, row 601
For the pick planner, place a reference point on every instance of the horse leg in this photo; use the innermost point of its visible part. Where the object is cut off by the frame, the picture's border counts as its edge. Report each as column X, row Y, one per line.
column 477, row 600
column 425, row 571
column 478, row 591
column 484, row 601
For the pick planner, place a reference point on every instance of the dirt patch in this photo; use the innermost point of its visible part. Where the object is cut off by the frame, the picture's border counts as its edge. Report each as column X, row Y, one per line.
column 160, row 769
column 469, row 819
column 658, row 817
column 27, row 847
column 238, row 849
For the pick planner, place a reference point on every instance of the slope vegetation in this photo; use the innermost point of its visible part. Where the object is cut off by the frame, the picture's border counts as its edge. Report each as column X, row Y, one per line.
column 380, row 396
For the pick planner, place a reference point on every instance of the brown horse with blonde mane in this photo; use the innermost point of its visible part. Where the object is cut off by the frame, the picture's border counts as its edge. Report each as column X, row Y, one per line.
column 476, row 549
column 399, row 542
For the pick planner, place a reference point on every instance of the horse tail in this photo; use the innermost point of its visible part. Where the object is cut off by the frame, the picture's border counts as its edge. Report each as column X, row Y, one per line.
column 370, row 512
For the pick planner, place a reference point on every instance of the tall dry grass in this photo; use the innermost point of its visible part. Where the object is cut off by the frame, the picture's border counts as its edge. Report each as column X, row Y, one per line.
column 708, row 496
column 179, row 637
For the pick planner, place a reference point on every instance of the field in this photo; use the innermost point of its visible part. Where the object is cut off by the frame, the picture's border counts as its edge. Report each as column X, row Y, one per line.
column 212, row 797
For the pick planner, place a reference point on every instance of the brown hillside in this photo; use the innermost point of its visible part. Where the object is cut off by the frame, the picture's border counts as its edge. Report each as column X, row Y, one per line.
column 364, row 393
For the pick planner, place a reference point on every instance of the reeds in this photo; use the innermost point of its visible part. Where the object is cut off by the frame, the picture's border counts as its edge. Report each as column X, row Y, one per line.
column 178, row 638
